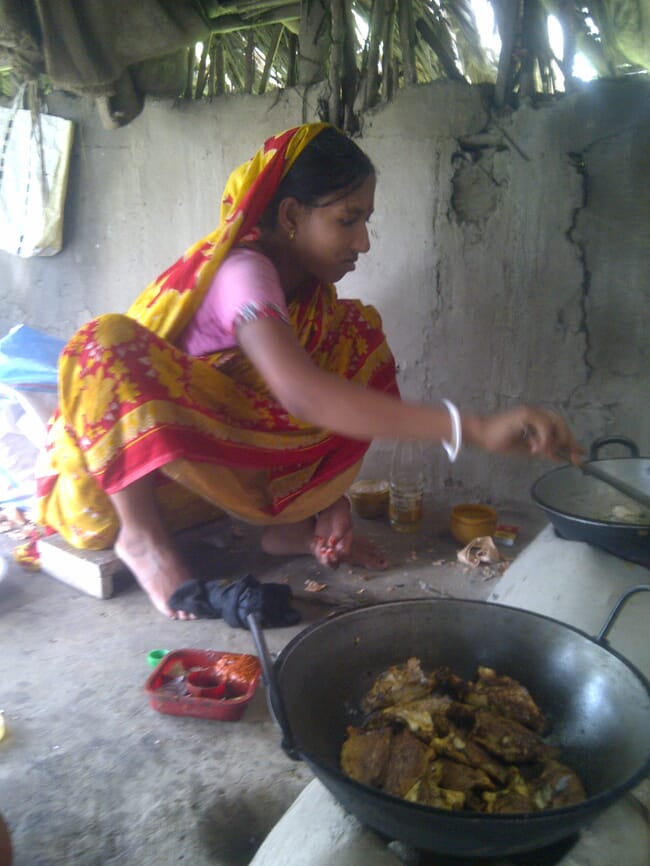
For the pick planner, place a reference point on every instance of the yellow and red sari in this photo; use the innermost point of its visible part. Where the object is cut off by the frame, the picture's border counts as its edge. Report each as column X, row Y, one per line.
column 131, row 403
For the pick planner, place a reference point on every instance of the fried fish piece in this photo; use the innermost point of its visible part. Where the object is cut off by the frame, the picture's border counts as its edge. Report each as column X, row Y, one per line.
column 419, row 716
column 515, row 797
column 399, row 684
column 508, row 740
column 458, row 746
column 446, row 681
column 461, row 777
column 505, row 696
column 427, row 792
column 557, row 785
column 365, row 754
column 408, row 761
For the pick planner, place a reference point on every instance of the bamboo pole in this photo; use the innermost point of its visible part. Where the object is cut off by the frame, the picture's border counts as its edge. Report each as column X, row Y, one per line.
column 337, row 35
column 566, row 63
column 202, row 75
column 271, row 54
column 212, row 71
column 407, row 40
column 245, row 7
column 375, row 33
column 292, row 59
column 313, row 41
column 249, row 63
column 233, row 71
column 350, row 72
column 235, row 23
column 189, row 73
column 219, row 68
column 433, row 39
column 387, row 83
column 507, row 16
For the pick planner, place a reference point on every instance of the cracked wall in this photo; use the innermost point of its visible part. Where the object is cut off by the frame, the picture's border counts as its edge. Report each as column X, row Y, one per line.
column 509, row 256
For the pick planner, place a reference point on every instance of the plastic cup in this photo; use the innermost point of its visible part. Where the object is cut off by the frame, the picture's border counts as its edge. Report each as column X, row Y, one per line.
column 205, row 684
column 472, row 520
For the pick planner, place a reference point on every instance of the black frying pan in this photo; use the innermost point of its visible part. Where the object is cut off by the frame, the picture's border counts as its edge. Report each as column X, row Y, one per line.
column 598, row 703
column 584, row 508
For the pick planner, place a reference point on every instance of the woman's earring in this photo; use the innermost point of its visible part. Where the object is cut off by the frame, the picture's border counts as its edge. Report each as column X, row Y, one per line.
column 292, row 234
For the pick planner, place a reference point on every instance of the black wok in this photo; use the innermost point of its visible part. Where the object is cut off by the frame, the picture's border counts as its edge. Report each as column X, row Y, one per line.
column 598, row 703
column 583, row 508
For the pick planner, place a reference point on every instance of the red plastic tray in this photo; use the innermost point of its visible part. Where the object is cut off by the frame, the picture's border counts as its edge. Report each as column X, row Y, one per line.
column 168, row 693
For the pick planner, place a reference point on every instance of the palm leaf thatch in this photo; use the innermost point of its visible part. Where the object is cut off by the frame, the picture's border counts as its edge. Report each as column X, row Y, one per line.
column 358, row 52
column 366, row 49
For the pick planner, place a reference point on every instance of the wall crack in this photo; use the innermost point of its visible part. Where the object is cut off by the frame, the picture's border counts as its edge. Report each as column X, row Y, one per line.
column 577, row 160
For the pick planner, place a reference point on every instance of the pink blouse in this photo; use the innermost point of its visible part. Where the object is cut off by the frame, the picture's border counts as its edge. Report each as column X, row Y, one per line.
column 246, row 287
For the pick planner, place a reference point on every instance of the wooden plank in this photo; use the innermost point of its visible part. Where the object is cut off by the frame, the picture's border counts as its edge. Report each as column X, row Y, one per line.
column 92, row 571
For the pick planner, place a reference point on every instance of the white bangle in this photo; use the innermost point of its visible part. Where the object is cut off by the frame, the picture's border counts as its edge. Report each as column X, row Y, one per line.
column 452, row 448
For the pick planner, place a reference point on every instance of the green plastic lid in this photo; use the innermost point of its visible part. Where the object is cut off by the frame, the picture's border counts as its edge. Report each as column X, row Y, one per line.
column 155, row 656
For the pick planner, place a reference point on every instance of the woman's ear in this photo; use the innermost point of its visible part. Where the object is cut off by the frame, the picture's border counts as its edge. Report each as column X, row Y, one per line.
column 289, row 211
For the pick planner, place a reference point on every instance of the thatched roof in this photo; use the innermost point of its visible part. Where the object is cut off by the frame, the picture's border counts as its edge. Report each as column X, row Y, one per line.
column 360, row 51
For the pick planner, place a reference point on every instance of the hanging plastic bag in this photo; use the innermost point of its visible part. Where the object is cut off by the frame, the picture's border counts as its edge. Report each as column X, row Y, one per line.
column 34, row 161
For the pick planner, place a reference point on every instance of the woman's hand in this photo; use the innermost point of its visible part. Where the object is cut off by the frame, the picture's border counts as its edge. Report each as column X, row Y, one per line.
column 525, row 430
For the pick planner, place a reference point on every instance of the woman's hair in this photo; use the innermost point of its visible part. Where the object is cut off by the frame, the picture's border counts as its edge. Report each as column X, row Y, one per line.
column 330, row 163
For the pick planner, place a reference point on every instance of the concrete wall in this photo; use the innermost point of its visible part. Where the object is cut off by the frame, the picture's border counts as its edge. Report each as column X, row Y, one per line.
column 509, row 261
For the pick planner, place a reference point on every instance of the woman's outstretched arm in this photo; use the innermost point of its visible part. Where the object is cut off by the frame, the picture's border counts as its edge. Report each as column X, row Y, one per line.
column 326, row 400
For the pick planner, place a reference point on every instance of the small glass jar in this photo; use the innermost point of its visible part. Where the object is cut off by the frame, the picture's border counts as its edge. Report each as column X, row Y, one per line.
column 369, row 498
column 406, row 495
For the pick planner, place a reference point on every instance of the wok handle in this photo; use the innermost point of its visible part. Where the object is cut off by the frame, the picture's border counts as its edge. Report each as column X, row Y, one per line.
column 597, row 444
column 273, row 689
column 618, row 607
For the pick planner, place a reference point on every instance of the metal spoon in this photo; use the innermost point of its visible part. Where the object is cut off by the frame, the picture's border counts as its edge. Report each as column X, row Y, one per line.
column 592, row 468
column 613, row 481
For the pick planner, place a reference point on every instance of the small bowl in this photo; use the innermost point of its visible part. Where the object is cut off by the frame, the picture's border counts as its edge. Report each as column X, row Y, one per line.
column 205, row 683
column 369, row 498
column 472, row 520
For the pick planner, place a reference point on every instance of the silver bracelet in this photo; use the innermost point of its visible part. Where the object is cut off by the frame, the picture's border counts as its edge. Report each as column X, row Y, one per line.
column 453, row 448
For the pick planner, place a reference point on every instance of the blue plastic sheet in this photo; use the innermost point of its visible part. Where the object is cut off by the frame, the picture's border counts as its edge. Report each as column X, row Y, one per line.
column 29, row 358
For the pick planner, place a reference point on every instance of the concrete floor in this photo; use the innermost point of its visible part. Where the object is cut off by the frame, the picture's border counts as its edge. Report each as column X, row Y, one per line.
column 91, row 775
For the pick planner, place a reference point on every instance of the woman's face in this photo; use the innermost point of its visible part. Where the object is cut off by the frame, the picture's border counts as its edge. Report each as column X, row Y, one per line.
column 329, row 237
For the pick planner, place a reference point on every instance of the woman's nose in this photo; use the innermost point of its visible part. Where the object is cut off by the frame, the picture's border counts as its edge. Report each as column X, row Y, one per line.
column 362, row 240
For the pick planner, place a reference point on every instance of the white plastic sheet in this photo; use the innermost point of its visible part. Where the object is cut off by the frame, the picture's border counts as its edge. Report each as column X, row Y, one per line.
column 28, row 397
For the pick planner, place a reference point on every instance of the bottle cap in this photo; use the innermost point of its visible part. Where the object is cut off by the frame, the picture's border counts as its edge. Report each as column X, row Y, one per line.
column 156, row 655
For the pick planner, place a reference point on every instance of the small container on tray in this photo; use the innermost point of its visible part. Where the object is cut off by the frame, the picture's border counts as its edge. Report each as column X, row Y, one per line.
column 167, row 689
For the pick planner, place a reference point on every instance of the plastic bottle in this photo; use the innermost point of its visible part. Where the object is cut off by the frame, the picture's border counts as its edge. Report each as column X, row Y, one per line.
column 406, row 487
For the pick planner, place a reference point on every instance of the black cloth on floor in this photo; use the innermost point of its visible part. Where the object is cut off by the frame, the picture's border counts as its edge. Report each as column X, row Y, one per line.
column 233, row 602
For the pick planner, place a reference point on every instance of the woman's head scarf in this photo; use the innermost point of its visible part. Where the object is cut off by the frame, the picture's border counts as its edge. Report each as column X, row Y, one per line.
column 169, row 302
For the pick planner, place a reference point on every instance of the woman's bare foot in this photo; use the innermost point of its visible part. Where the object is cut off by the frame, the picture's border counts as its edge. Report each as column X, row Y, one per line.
column 157, row 567
column 329, row 538
column 289, row 539
column 144, row 546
